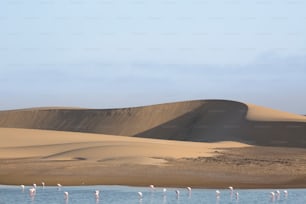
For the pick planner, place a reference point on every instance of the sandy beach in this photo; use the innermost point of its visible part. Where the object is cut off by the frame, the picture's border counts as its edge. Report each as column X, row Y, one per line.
column 30, row 155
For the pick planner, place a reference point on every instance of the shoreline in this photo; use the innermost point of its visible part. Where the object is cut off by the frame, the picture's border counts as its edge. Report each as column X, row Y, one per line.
column 156, row 187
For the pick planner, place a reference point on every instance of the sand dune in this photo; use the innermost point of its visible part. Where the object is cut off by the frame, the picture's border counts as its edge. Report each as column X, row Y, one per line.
column 225, row 143
column 53, row 145
column 30, row 155
column 203, row 120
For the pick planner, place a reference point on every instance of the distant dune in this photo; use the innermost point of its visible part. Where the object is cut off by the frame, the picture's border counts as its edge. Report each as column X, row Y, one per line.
column 202, row 120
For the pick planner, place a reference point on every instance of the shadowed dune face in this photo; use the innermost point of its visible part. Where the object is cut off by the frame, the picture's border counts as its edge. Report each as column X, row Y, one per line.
column 126, row 121
column 204, row 121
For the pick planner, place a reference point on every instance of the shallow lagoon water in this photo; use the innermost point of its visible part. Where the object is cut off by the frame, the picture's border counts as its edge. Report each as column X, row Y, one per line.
column 129, row 195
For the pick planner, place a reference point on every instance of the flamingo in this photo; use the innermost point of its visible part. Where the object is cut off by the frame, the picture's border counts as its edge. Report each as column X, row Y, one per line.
column 164, row 191
column 59, row 186
column 177, row 193
column 237, row 195
column 66, row 195
column 232, row 191
column 217, row 193
column 140, row 195
column 277, row 194
column 152, row 187
column 286, row 193
column 34, row 185
column 22, row 187
column 32, row 192
column 43, row 184
column 189, row 191
column 272, row 195
column 97, row 194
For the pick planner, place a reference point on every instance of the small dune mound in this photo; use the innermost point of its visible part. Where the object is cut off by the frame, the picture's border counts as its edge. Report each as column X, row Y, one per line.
column 67, row 146
column 258, row 113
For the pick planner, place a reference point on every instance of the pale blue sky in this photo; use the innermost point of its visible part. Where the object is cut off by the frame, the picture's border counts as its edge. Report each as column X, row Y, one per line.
column 104, row 54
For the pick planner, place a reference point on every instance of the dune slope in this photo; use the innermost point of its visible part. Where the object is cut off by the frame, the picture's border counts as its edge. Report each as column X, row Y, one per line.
column 28, row 156
column 55, row 145
column 70, row 158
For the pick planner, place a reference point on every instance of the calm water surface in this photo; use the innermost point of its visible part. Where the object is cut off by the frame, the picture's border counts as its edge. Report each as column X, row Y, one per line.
column 129, row 195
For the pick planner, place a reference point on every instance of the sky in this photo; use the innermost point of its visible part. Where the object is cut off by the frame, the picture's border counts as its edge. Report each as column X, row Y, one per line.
column 121, row 53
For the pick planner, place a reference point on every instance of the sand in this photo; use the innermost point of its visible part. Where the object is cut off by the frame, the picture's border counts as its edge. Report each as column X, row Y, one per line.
column 55, row 145
column 259, row 113
column 224, row 143
column 200, row 121
column 33, row 156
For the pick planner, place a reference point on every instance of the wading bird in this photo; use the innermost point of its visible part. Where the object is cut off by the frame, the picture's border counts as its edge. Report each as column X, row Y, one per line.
column 217, row 193
column 152, row 187
column 272, row 194
column 32, row 192
column 177, row 192
column 286, row 193
column 66, row 195
column 237, row 195
column 140, row 195
column 97, row 194
column 164, row 191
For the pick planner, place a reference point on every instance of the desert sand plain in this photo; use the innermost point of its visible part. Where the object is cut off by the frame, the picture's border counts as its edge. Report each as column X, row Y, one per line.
column 209, row 144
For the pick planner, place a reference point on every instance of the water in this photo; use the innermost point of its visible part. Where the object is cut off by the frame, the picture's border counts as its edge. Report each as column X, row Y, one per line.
column 129, row 195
